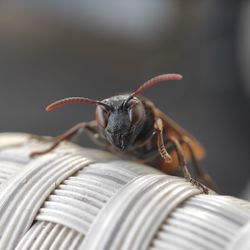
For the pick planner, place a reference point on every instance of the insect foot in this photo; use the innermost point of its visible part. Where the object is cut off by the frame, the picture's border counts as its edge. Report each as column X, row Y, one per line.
column 202, row 187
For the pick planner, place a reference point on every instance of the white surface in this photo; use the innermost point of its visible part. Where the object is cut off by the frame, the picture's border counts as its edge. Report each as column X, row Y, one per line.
column 86, row 199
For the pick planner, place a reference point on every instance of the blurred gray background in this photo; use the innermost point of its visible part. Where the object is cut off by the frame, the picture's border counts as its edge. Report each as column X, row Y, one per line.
column 96, row 49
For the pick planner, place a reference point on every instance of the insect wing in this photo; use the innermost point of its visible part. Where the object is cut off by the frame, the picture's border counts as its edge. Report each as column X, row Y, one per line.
column 176, row 131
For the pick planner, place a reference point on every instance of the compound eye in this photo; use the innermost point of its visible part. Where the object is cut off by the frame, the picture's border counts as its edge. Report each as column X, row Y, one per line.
column 102, row 116
column 136, row 111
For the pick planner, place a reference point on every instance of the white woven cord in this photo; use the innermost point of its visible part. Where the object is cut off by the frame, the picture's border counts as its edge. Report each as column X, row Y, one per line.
column 75, row 198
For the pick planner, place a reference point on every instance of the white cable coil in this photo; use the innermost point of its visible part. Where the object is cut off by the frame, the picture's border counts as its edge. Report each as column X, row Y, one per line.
column 76, row 198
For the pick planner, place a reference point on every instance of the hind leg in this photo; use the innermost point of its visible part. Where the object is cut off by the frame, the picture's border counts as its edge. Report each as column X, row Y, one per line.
column 184, row 168
column 177, row 147
column 199, row 171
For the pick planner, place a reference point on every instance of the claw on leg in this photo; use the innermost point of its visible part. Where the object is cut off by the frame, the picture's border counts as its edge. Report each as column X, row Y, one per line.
column 202, row 187
column 201, row 174
column 42, row 152
column 183, row 165
column 65, row 136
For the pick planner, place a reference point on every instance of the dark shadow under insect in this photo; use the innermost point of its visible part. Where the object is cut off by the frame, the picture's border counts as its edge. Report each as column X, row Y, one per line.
column 131, row 124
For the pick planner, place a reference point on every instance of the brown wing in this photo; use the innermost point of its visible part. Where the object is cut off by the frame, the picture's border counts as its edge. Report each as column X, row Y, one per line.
column 172, row 129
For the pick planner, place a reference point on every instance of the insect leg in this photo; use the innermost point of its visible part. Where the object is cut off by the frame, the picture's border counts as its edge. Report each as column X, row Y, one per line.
column 183, row 165
column 158, row 126
column 200, row 172
column 65, row 136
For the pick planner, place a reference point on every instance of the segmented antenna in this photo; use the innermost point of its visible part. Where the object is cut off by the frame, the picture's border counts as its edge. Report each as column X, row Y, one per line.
column 72, row 100
column 155, row 80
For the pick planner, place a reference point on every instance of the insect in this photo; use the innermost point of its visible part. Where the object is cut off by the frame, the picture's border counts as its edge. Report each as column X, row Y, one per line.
column 132, row 125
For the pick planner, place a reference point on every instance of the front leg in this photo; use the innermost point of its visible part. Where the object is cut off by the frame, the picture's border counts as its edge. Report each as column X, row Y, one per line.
column 158, row 126
column 65, row 136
